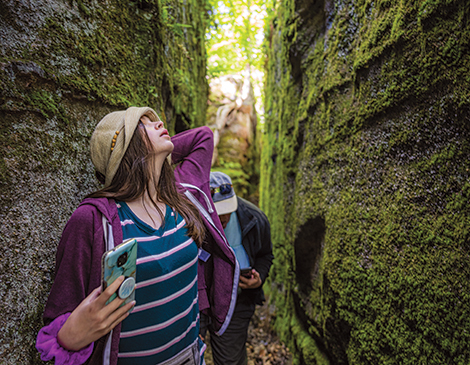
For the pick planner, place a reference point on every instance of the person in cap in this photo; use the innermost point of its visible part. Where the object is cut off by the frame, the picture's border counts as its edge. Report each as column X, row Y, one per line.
column 248, row 232
column 142, row 198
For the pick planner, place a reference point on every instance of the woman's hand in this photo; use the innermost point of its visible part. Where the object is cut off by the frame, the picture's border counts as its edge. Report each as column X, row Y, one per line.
column 250, row 283
column 93, row 319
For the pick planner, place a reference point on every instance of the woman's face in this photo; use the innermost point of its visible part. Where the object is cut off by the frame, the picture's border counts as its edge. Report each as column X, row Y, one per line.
column 158, row 135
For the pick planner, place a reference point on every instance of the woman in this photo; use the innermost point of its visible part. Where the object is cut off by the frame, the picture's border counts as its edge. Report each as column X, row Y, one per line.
column 140, row 199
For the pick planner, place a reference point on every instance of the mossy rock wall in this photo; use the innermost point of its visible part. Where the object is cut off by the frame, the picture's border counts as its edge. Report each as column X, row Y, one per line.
column 365, row 179
column 63, row 66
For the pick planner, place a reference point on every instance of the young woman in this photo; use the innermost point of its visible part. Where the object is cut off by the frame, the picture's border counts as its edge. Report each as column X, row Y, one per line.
column 142, row 199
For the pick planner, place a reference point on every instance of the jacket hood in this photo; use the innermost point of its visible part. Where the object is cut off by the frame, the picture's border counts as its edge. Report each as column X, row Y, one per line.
column 103, row 205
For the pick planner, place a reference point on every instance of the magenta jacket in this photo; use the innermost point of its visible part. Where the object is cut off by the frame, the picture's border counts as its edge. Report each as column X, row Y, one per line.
column 78, row 257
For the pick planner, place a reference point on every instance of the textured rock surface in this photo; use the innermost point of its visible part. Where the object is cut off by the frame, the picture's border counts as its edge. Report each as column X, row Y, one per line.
column 365, row 178
column 63, row 66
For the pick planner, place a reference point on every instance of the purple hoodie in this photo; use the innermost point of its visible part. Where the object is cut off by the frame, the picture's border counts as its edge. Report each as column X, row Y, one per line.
column 78, row 257
column 217, row 293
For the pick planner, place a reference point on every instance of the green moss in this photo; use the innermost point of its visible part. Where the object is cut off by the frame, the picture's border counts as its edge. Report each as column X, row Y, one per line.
column 367, row 128
column 59, row 75
column 136, row 50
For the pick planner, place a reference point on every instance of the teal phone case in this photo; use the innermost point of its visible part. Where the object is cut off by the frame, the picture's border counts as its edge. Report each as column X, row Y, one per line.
column 121, row 260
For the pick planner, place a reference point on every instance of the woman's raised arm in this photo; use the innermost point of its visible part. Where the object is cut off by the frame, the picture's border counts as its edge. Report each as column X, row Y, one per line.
column 193, row 155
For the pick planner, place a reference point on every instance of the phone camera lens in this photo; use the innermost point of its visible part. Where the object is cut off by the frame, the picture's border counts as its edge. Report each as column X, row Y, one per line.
column 122, row 259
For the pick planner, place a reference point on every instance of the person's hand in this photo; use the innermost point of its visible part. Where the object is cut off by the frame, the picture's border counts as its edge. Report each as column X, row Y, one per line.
column 250, row 283
column 93, row 319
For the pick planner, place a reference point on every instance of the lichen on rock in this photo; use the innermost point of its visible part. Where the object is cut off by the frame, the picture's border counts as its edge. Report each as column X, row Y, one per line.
column 63, row 66
column 364, row 177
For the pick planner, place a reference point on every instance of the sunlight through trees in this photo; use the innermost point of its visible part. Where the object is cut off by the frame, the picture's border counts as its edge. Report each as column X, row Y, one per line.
column 234, row 41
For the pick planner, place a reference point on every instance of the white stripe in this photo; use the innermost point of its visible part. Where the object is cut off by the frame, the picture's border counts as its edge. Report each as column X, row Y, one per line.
column 126, row 222
column 171, row 231
column 165, row 300
column 166, row 276
column 159, row 326
column 161, row 348
column 160, row 256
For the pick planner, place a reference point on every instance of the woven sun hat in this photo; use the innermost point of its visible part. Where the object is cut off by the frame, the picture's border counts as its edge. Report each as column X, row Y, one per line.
column 112, row 136
column 222, row 192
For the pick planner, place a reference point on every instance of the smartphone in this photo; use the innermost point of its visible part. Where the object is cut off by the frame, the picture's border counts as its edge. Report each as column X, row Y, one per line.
column 121, row 260
column 246, row 273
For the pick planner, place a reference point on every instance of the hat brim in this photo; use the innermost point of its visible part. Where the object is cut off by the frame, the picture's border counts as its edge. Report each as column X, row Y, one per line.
column 226, row 206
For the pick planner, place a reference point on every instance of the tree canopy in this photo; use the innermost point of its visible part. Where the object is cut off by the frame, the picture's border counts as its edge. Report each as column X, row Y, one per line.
column 235, row 36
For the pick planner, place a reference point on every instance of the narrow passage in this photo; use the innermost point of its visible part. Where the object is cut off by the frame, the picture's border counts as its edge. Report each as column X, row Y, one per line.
column 263, row 346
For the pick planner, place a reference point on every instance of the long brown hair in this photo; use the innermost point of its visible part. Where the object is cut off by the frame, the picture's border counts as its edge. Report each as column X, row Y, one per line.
column 134, row 176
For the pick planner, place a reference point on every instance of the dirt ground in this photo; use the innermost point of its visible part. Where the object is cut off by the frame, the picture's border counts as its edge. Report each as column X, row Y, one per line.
column 263, row 346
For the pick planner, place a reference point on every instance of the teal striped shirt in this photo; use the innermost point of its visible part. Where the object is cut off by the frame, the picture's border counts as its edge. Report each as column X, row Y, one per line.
column 165, row 319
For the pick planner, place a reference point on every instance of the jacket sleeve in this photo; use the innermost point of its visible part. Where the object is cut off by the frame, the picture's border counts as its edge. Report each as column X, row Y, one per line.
column 217, row 277
column 75, row 261
column 264, row 257
column 193, row 156
column 50, row 348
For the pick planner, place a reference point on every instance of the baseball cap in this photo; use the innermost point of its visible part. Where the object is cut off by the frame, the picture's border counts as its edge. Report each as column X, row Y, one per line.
column 222, row 192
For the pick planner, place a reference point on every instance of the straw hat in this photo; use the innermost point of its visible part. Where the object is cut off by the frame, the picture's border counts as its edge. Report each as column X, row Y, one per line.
column 112, row 136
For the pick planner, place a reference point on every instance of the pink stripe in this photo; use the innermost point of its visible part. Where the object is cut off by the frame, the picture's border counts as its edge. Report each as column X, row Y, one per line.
column 162, row 348
column 164, row 254
column 164, row 300
column 126, row 222
column 171, row 231
column 166, row 276
column 166, row 233
column 159, row 326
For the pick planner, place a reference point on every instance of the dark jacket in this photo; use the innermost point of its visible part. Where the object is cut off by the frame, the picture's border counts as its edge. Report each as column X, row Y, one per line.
column 256, row 239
